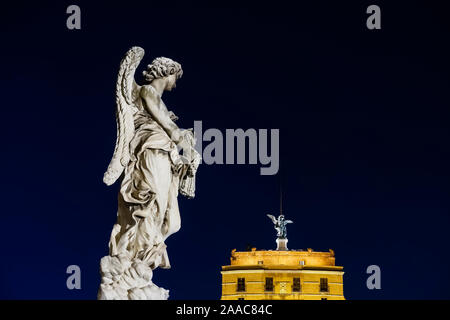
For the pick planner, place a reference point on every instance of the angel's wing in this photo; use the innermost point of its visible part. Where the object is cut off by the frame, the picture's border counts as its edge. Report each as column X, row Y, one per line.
column 126, row 89
column 274, row 220
column 288, row 221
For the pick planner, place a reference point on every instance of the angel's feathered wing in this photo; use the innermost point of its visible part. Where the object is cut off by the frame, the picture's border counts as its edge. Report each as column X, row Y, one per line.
column 126, row 96
column 274, row 220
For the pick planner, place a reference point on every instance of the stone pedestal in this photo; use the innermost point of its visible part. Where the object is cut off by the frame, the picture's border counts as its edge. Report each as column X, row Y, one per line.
column 282, row 244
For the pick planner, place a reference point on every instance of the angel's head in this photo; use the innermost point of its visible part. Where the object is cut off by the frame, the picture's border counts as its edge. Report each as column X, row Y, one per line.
column 164, row 68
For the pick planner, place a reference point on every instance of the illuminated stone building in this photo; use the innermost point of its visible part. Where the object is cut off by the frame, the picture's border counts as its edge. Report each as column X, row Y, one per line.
column 282, row 274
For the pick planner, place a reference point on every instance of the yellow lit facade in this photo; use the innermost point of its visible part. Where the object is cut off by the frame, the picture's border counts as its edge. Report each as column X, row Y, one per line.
column 282, row 275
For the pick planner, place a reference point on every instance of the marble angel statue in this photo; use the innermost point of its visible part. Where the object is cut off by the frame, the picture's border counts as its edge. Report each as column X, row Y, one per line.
column 152, row 172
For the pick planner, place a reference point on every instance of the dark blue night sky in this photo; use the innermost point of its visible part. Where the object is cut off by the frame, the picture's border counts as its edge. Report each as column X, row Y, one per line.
column 364, row 131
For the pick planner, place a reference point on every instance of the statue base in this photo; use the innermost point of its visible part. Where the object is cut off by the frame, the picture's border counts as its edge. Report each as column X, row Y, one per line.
column 125, row 279
column 282, row 244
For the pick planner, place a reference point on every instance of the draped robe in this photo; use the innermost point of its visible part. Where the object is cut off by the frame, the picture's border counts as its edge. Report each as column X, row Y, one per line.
column 147, row 206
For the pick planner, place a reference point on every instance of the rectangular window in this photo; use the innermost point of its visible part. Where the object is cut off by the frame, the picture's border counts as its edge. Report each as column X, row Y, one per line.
column 241, row 284
column 269, row 284
column 296, row 285
column 323, row 285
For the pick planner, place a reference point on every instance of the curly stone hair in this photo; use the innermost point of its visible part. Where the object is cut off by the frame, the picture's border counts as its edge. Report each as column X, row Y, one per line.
column 162, row 67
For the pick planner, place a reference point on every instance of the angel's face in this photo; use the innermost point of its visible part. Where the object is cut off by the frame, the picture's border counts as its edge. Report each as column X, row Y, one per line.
column 171, row 82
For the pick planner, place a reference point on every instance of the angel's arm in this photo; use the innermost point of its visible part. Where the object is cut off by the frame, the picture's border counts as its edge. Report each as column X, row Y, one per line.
column 288, row 221
column 158, row 111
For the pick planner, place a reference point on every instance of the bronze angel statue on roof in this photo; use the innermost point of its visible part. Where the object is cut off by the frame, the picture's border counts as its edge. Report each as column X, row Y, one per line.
column 280, row 225
column 152, row 171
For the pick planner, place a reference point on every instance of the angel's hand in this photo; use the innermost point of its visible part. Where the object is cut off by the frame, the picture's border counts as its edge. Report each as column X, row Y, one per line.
column 183, row 142
column 188, row 134
column 186, row 139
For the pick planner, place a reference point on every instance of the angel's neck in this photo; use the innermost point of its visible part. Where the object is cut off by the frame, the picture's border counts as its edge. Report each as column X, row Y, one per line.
column 159, row 85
